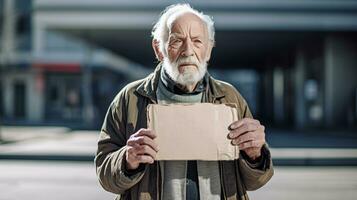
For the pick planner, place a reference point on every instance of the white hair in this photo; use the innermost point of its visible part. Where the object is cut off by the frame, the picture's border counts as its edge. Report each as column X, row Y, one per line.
column 161, row 28
column 188, row 76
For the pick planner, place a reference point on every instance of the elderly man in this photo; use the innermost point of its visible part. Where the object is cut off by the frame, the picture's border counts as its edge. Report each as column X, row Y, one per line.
column 183, row 39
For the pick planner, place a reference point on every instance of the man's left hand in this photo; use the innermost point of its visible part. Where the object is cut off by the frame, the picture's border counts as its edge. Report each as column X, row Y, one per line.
column 249, row 135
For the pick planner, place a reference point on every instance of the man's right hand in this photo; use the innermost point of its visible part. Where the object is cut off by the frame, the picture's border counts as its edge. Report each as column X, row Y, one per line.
column 141, row 148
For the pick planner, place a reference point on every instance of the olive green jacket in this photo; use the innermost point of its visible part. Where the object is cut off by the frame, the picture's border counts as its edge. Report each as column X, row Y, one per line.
column 127, row 114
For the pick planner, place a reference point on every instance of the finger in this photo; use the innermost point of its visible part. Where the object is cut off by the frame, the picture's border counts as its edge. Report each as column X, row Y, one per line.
column 258, row 134
column 239, row 123
column 147, row 132
column 143, row 140
column 245, row 127
column 131, row 152
column 135, row 156
column 251, row 144
column 145, row 150
column 145, row 159
column 244, row 138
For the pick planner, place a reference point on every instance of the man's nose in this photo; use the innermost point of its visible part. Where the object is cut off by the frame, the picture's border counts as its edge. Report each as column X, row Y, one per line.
column 187, row 49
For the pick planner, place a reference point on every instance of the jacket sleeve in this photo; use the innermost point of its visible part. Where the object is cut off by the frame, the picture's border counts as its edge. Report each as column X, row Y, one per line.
column 110, row 156
column 254, row 177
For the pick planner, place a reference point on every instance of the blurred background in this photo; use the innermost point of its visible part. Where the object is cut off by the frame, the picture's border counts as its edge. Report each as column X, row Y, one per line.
column 62, row 63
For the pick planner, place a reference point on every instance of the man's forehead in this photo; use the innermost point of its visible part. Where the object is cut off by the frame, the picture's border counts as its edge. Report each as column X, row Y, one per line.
column 195, row 23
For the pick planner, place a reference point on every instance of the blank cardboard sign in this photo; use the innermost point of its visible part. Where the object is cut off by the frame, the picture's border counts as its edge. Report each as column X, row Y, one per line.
column 193, row 131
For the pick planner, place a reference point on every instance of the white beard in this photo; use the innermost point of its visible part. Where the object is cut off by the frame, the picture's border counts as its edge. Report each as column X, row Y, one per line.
column 189, row 75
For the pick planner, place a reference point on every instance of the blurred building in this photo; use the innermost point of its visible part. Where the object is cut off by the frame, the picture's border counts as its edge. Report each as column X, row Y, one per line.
column 57, row 82
column 295, row 61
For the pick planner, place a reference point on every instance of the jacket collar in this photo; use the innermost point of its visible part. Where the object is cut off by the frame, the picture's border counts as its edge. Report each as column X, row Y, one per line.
column 215, row 90
column 149, row 86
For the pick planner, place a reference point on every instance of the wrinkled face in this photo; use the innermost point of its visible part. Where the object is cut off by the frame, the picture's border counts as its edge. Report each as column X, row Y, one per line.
column 188, row 50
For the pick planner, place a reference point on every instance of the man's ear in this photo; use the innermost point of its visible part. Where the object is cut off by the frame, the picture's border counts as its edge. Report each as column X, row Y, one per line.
column 156, row 47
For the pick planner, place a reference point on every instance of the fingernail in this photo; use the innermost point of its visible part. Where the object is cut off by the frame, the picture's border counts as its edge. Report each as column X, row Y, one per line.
column 231, row 135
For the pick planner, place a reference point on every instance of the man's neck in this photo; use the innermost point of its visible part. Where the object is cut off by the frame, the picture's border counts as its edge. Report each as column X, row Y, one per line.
column 187, row 88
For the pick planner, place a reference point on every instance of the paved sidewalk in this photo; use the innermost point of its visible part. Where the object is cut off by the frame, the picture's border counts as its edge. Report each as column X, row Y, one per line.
column 59, row 143
column 48, row 143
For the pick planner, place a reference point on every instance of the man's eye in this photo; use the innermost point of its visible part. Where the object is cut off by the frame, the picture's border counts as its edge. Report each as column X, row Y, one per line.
column 176, row 42
column 197, row 41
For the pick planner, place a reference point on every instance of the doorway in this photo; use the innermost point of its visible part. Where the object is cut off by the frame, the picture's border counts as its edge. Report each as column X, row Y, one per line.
column 19, row 100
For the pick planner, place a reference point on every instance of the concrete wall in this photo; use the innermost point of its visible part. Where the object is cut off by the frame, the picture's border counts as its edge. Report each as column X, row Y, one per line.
column 340, row 78
column 34, row 96
column 300, row 107
column 1, row 97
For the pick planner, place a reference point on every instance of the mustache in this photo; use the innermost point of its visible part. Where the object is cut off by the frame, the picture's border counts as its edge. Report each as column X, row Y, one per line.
column 191, row 60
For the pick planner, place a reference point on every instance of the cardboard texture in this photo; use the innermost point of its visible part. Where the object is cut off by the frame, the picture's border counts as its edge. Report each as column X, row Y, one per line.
column 193, row 131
